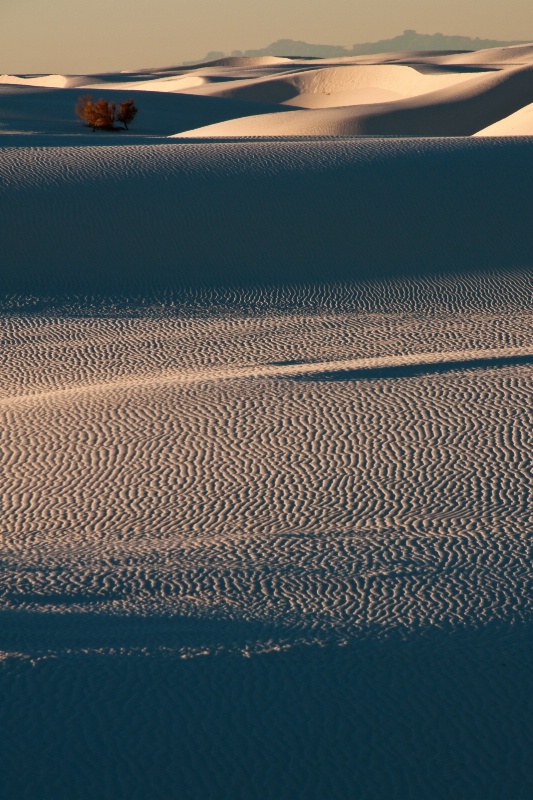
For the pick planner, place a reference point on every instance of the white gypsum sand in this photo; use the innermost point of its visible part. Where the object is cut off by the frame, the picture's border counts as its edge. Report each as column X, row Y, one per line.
column 266, row 431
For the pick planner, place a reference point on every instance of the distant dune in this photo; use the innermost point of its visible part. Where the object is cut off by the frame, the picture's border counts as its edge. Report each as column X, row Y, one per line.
column 392, row 94
column 413, row 96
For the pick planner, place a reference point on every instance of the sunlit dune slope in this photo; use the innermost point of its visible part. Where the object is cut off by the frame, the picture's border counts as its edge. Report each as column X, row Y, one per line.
column 336, row 85
column 518, row 124
column 304, row 464
column 460, row 109
column 253, row 61
column 46, row 81
column 500, row 56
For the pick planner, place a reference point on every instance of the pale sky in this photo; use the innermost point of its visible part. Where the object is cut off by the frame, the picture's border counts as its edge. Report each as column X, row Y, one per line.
column 76, row 36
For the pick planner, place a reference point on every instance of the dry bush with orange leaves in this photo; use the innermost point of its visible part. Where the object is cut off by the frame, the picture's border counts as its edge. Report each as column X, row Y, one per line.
column 126, row 112
column 104, row 114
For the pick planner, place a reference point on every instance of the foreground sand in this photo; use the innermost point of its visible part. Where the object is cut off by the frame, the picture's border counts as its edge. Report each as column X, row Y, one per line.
column 266, row 442
column 227, row 540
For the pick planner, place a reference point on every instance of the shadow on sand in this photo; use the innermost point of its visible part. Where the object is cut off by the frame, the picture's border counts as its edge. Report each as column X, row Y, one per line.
column 443, row 714
column 412, row 370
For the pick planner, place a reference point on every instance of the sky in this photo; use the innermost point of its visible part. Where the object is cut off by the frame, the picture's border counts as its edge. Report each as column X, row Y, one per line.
column 88, row 36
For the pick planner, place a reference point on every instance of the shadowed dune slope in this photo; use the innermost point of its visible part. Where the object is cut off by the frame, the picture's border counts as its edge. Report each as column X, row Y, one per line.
column 43, row 109
column 209, row 213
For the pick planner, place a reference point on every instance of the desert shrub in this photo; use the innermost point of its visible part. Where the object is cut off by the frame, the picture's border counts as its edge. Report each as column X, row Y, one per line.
column 126, row 112
column 104, row 114
column 96, row 115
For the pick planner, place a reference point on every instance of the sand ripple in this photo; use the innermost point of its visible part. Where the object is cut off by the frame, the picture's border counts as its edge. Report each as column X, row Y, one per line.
column 171, row 465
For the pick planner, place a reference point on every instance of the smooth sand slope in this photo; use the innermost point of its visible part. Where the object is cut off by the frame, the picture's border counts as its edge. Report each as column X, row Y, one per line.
column 330, row 86
column 266, row 433
column 459, row 109
column 398, row 94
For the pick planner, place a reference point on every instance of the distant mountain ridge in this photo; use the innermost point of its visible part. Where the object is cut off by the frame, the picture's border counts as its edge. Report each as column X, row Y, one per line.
column 408, row 40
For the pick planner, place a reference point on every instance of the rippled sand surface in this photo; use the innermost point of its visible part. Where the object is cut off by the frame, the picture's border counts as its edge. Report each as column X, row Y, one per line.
column 266, row 432
column 268, row 543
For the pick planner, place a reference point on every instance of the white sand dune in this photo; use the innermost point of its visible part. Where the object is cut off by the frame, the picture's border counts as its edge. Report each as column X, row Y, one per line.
column 266, row 432
column 336, row 86
column 178, row 83
column 47, row 81
column 460, row 109
column 254, row 61
column 278, row 531
column 399, row 94
column 518, row 124
column 501, row 56
column 143, row 449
